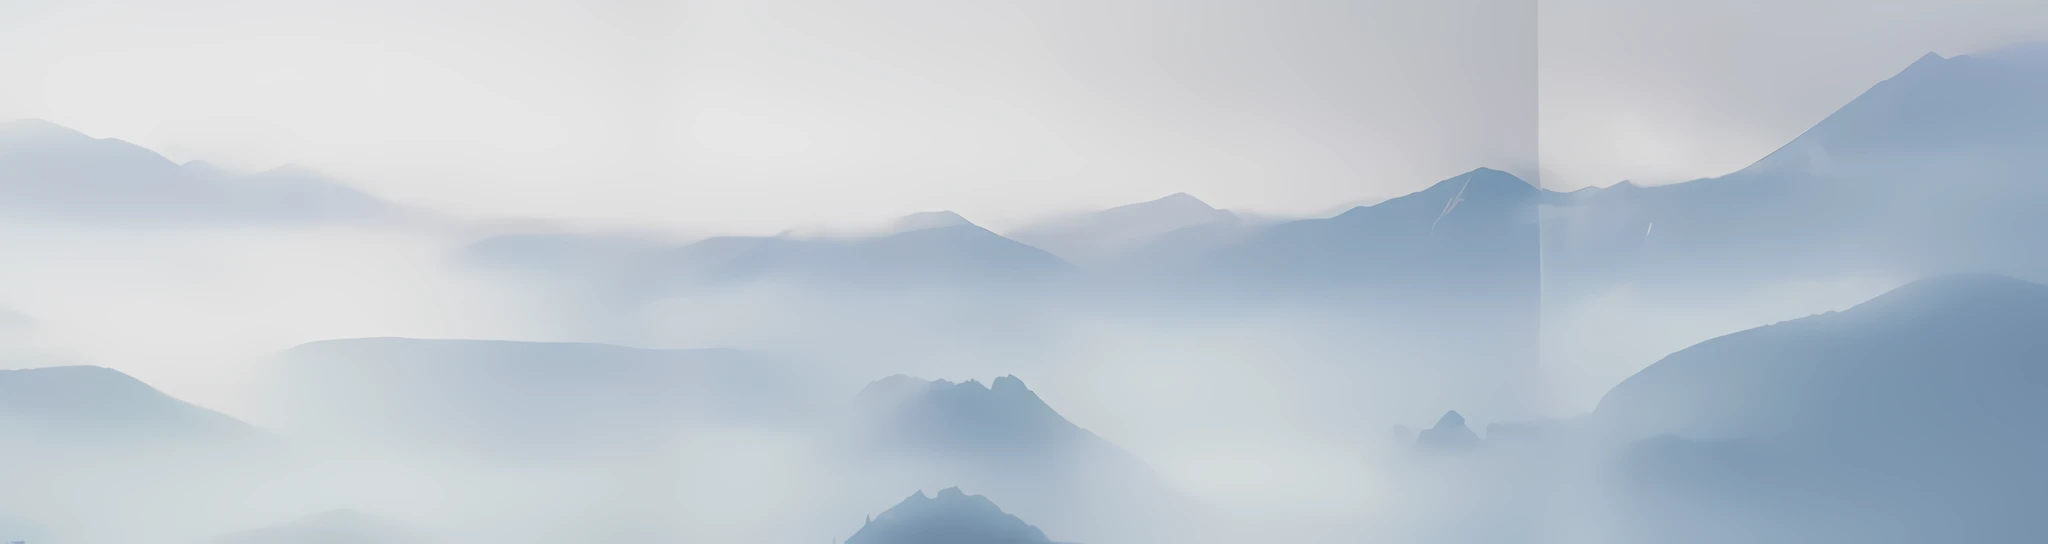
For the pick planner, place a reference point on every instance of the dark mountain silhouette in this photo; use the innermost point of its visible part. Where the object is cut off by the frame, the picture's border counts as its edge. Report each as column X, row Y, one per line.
column 1912, row 404
column 950, row 517
column 1004, row 440
column 332, row 527
column 1449, row 434
column 521, row 398
column 1932, row 171
column 1104, row 236
column 49, row 171
column 1000, row 422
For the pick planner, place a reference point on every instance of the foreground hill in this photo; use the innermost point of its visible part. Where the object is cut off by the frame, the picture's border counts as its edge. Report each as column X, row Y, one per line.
column 1906, row 414
column 94, row 455
column 1005, row 441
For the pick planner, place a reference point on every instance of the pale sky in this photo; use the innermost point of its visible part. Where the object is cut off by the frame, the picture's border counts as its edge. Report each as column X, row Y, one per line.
column 764, row 114
column 759, row 115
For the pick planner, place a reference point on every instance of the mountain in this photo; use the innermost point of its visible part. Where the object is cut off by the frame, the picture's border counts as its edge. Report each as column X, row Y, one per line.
column 951, row 517
column 94, row 455
column 923, row 251
column 333, row 527
column 1930, row 172
column 1004, row 440
column 1954, row 352
column 52, row 172
column 524, row 398
column 1915, row 403
column 1475, row 232
column 1450, row 433
column 1102, row 236
column 1004, row 420
column 89, row 410
column 927, row 220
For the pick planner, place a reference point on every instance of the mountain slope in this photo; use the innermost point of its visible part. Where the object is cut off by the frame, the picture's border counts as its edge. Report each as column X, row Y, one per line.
column 105, row 412
column 1932, row 171
column 951, row 517
column 1953, row 354
column 1475, row 232
column 969, row 419
column 1911, row 410
column 938, row 250
column 1102, row 236
column 1003, row 440
column 94, row 455
column 48, row 171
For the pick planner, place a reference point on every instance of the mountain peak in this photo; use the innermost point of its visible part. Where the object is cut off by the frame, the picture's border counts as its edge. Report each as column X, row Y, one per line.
column 928, row 220
column 1008, row 383
column 33, row 128
column 1928, row 59
column 952, row 516
column 1450, row 433
column 1451, row 419
column 1179, row 201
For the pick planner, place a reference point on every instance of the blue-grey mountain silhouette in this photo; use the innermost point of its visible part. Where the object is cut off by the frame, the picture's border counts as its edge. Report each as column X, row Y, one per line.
column 93, row 453
column 1449, row 434
column 934, row 250
column 93, row 409
column 951, row 517
column 1106, row 235
column 1932, row 171
column 1004, row 440
column 49, row 171
column 1910, row 407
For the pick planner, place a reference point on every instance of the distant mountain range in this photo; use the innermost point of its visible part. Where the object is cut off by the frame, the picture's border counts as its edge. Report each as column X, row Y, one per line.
column 928, row 252
column 1099, row 237
column 1928, row 172
column 52, row 172
column 951, row 517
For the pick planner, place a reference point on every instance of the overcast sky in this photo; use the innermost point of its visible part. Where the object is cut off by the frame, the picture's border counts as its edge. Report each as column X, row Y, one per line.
column 755, row 115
